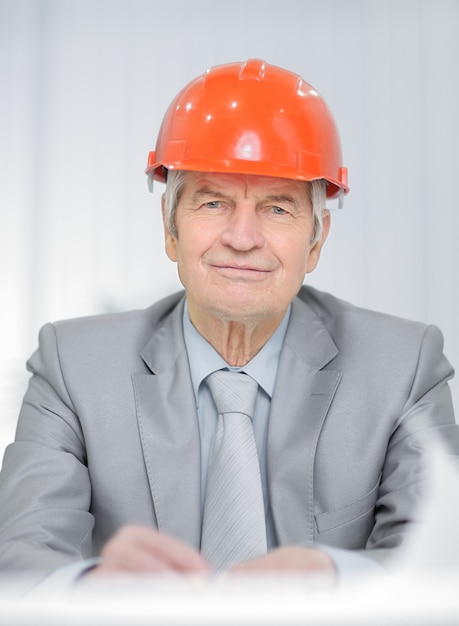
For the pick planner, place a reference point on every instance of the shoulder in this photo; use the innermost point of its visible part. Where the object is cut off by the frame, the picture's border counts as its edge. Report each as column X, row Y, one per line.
column 335, row 312
column 108, row 334
column 357, row 329
column 381, row 352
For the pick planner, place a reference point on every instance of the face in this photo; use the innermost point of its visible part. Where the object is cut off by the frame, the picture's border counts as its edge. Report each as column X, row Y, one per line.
column 244, row 245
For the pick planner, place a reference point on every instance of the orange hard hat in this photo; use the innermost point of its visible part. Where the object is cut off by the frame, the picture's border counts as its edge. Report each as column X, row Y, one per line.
column 250, row 118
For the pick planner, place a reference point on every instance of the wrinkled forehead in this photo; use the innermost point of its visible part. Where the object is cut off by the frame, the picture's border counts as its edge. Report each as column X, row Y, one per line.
column 244, row 185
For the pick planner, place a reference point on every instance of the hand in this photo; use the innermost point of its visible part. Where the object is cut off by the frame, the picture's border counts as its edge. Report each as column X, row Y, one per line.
column 138, row 549
column 290, row 558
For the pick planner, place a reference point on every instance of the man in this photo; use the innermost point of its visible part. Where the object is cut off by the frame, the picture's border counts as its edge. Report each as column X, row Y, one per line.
column 114, row 463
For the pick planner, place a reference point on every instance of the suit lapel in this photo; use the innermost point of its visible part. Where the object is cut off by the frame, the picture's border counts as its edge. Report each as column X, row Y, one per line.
column 302, row 396
column 166, row 412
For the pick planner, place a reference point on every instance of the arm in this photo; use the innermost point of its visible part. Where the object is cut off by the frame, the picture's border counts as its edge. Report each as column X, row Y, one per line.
column 426, row 419
column 46, row 524
column 45, row 490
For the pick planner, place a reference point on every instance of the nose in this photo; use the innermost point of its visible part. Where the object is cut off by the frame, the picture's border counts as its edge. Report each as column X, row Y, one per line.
column 243, row 230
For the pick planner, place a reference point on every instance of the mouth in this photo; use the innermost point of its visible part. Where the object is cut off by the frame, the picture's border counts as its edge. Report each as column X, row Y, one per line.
column 241, row 271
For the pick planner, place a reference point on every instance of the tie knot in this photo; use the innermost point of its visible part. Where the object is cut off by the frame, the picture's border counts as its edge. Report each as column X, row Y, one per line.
column 233, row 392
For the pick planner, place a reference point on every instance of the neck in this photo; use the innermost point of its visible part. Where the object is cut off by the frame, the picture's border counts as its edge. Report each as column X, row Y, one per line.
column 237, row 342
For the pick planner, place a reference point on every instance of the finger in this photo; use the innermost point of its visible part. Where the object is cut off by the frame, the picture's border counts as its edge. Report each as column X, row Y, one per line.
column 137, row 548
column 290, row 559
column 176, row 553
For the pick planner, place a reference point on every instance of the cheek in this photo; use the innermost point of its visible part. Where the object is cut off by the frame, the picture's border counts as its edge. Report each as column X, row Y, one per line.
column 196, row 240
column 296, row 255
column 188, row 254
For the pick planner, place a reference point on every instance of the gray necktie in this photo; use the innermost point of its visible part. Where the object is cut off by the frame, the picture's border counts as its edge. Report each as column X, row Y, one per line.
column 234, row 528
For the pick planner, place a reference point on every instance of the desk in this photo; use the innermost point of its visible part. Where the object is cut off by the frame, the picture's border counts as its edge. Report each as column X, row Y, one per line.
column 399, row 600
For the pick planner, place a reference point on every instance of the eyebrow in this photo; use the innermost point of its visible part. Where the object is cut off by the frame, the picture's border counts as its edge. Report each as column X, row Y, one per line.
column 282, row 198
column 208, row 191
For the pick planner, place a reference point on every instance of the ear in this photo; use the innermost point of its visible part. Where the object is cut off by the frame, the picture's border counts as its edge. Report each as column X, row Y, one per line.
column 170, row 241
column 314, row 253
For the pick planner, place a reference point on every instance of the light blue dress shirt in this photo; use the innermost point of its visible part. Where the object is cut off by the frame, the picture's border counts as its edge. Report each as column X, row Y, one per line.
column 204, row 360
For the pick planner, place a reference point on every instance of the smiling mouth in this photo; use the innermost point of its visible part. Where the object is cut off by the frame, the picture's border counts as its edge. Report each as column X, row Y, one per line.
column 247, row 268
column 241, row 271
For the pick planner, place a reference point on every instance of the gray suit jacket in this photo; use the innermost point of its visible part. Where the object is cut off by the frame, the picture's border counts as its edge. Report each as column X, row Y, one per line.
column 108, row 433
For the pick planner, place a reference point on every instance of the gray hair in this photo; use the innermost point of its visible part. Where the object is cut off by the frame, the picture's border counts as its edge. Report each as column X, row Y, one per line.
column 176, row 180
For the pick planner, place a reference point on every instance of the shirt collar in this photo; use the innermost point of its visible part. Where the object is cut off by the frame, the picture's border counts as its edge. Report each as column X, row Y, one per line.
column 204, row 360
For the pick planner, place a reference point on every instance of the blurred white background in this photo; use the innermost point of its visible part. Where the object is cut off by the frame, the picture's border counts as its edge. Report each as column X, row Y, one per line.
column 84, row 85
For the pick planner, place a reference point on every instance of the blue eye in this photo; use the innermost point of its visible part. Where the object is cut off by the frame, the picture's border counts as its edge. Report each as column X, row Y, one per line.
column 277, row 210
column 213, row 204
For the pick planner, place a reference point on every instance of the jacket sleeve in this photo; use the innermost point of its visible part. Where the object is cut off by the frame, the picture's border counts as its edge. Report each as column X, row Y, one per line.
column 426, row 419
column 45, row 489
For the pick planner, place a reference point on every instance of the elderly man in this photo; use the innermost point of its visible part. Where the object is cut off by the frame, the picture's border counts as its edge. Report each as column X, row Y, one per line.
column 250, row 422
